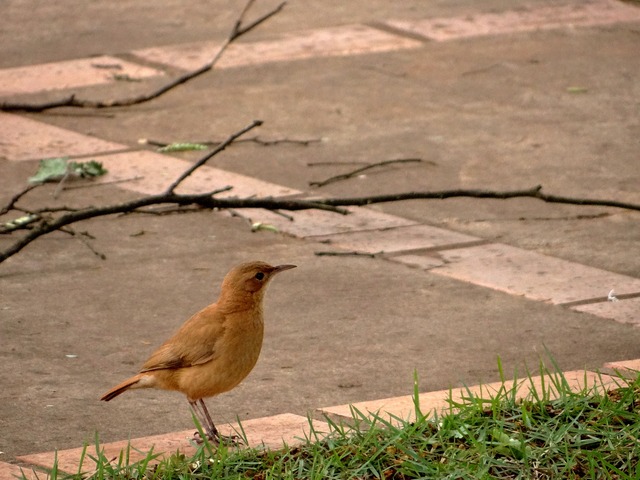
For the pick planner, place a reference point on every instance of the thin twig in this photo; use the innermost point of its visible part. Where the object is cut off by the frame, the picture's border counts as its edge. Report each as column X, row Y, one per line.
column 71, row 101
column 357, row 171
column 284, row 215
column 206, row 200
column 258, row 140
column 323, row 164
column 92, row 183
column 347, row 254
column 10, row 205
column 215, row 151
column 535, row 192
column 80, row 236
column 239, row 30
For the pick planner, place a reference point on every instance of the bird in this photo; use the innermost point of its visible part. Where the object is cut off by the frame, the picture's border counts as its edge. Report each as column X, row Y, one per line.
column 215, row 349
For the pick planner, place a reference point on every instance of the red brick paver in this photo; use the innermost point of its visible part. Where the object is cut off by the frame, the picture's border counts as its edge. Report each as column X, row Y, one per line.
column 586, row 14
column 9, row 471
column 397, row 239
column 25, row 139
column 71, row 74
column 623, row 311
column 326, row 42
column 149, row 172
column 404, row 407
column 270, row 432
column 533, row 275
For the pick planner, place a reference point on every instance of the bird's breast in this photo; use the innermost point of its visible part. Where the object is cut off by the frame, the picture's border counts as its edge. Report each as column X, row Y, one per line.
column 235, row 356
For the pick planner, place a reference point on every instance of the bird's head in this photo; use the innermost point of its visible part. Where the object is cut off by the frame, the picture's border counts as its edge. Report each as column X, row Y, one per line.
column 249, row 280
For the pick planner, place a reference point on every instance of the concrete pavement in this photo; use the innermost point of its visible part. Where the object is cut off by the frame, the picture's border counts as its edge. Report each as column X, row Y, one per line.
column 545, row 94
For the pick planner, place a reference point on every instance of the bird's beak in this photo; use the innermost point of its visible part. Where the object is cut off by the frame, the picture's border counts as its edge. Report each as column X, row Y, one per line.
column 282, row 268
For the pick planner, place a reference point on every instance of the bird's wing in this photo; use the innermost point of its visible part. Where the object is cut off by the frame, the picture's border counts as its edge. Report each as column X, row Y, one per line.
column 194, row 344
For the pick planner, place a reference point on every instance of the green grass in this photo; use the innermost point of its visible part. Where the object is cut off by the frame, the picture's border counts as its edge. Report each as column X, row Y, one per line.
column 586, row 434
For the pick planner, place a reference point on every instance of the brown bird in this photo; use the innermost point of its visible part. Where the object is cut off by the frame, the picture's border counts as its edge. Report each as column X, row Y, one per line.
column 215, row 349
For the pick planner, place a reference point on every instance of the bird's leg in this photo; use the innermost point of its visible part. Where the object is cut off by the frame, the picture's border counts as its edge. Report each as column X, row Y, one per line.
column 201, row 411
column 205, row 421
column 231, row 439
column 212, row 431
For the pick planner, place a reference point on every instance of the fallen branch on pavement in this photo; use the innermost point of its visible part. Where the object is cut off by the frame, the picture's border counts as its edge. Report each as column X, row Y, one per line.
column 39, row 222
column 260, row 141
column 46, row 225
column 237, row 31
column 535, row 192
column 357, row 171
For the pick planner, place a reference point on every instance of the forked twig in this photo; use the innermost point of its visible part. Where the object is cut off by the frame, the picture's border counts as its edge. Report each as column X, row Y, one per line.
column 357, row 171
column 72, row 101
column 81, row 237
column 260, row 141
column 44, row 220
column 207, row 200
column 212, row 153
column 354, row 253
column 10, row 205
column 535, row 192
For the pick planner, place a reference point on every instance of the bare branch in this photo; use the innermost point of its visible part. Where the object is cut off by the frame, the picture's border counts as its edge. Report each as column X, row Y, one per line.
column 260, row 141
column 44, row 221
column 239, row 30
column 71, row 101
column 91, row 183
column 81, row 237
column 535, row 192
column 215, row 151
column 346, row 254
column 204, row 200
column 357, row 171
column 10, row 205
column 332, row 204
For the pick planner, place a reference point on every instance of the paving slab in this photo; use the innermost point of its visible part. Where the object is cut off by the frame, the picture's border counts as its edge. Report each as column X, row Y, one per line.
column 149, row 172
column 555, row 107
column 422, row 261
column 301, row 45
column 316, row 223
column 398, row 239
column 625, row 310
column 403, row 408
column 269, row 432
column 535, row 276
column 632, row 366
column 71, row 74
column 9, row 471
column 25, row 139
column 602, row 12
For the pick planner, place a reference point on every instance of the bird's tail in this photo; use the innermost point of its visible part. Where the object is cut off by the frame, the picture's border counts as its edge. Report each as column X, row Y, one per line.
column 118, row 389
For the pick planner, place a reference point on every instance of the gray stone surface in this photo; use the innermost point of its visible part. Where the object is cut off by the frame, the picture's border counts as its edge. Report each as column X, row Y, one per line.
column 490, row 112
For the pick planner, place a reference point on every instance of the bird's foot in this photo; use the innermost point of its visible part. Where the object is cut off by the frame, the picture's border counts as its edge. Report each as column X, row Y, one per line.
column 217, row 439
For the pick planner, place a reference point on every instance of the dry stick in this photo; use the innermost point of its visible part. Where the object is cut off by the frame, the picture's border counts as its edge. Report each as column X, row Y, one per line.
column 535, row 192
column 72, row 101
column 204, row 200
column 215, row 151
column 101, row 184
column 354, row 253
column 342, row 164
column 258, row 140
column 80, row 237
column 9, row 206
column 355, row 172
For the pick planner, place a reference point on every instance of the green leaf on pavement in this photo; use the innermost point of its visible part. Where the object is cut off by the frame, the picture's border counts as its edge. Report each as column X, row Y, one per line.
column 182, row 147
column 55, row 169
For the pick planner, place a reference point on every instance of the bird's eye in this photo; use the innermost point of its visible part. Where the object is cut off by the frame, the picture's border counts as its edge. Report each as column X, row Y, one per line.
column 259, row 275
